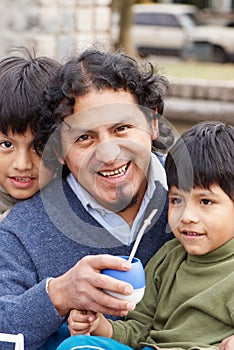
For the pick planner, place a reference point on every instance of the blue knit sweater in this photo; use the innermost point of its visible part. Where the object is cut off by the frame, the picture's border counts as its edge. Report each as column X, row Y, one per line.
column 45, row 236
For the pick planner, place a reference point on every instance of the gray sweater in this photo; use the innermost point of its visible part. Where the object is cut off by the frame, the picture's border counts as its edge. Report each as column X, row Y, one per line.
column 45, row 236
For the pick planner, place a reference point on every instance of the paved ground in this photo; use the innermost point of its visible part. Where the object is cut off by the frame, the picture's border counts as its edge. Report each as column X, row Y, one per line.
column 194, row 100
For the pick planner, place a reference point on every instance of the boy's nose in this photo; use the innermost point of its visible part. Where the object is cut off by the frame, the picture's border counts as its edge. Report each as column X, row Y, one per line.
column 23, row 161
column 190, row 215
column 107, row 151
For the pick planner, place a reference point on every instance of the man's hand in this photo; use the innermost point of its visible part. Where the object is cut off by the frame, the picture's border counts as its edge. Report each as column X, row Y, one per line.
column 81, row 287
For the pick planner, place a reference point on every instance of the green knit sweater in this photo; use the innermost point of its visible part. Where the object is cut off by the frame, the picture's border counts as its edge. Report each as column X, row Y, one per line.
column 188, row 302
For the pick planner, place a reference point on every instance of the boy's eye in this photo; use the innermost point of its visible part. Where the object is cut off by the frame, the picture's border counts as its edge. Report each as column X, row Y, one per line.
column 6, row 144
column 206, row 201
column 176, row 200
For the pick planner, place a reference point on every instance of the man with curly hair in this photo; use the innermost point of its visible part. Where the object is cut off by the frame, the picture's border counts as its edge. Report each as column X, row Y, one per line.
column 101, row 126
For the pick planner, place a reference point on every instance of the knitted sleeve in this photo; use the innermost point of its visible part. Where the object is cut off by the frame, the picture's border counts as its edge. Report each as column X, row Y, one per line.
column 22, row 295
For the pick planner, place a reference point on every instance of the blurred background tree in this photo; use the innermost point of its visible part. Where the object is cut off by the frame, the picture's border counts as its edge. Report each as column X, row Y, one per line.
column 123, row 8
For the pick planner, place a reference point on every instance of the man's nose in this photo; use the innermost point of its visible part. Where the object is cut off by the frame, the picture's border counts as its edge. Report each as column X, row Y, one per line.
column 107, row 151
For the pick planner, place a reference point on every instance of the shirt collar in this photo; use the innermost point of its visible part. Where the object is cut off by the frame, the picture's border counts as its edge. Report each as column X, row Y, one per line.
column 156, row 173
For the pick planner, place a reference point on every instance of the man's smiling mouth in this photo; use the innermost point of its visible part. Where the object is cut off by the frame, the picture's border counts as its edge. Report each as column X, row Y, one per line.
column 114, row 173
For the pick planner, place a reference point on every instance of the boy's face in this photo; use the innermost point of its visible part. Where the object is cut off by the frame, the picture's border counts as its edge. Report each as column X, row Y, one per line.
column 107, row 147
column 20, row 165
column 202, row 220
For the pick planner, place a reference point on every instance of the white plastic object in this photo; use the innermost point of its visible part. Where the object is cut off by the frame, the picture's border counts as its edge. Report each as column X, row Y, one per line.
column 18, row 339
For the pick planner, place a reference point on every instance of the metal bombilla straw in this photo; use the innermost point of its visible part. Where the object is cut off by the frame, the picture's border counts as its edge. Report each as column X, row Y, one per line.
column 146, row 223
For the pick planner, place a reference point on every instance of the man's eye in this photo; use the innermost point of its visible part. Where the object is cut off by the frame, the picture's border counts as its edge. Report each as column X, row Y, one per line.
column 6, row 144
column 123, row 127
column 83, row 138
column 206, row 201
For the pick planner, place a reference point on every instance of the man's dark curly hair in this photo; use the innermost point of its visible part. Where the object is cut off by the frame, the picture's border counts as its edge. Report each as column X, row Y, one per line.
column 95, row 70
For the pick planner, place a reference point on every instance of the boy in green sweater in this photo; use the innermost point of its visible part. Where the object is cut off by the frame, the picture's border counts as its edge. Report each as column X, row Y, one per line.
column 188, row 302
column 22, row 82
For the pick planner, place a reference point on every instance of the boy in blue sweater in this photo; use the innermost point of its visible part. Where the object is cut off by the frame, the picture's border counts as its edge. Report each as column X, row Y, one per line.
column 22, row 82
column 102, row 118
column 188, row 302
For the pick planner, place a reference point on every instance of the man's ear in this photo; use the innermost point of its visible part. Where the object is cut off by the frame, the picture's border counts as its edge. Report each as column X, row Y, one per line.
column 59, row 155
column 61, row 160
column 155, row 131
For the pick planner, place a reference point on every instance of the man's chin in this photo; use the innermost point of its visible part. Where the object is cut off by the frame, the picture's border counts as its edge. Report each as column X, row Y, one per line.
column 121, row 204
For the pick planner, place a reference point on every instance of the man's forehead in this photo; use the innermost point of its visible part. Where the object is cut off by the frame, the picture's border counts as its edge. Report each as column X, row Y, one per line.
column 105, row 115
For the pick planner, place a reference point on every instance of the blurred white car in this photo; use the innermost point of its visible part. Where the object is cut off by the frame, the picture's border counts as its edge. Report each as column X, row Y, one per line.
column 162, row 28
column 212, row 43
column 175, row 29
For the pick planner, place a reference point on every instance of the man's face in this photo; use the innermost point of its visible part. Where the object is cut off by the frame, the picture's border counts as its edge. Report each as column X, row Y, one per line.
column 21, row 166
column 106, row 145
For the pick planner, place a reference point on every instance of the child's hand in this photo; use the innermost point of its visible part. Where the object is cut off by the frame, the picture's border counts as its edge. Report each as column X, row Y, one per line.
column 227, row 344
column 82, row 322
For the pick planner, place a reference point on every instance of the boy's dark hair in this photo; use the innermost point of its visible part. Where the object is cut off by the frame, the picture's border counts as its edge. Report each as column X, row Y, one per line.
column 96, row 70
column 22, row 82
column 202, row 157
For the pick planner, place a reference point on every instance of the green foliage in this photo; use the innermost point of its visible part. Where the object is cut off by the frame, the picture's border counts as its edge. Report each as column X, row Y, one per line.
column 200, row 70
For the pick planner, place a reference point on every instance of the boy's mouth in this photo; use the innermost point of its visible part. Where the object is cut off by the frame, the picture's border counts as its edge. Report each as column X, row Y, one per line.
column 115, row 172
column 22, row 179
column 192, row 233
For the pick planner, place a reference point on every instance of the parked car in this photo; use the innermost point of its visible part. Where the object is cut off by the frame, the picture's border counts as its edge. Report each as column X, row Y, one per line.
column 212, row 43
column 175, row 29
column 162, row 28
